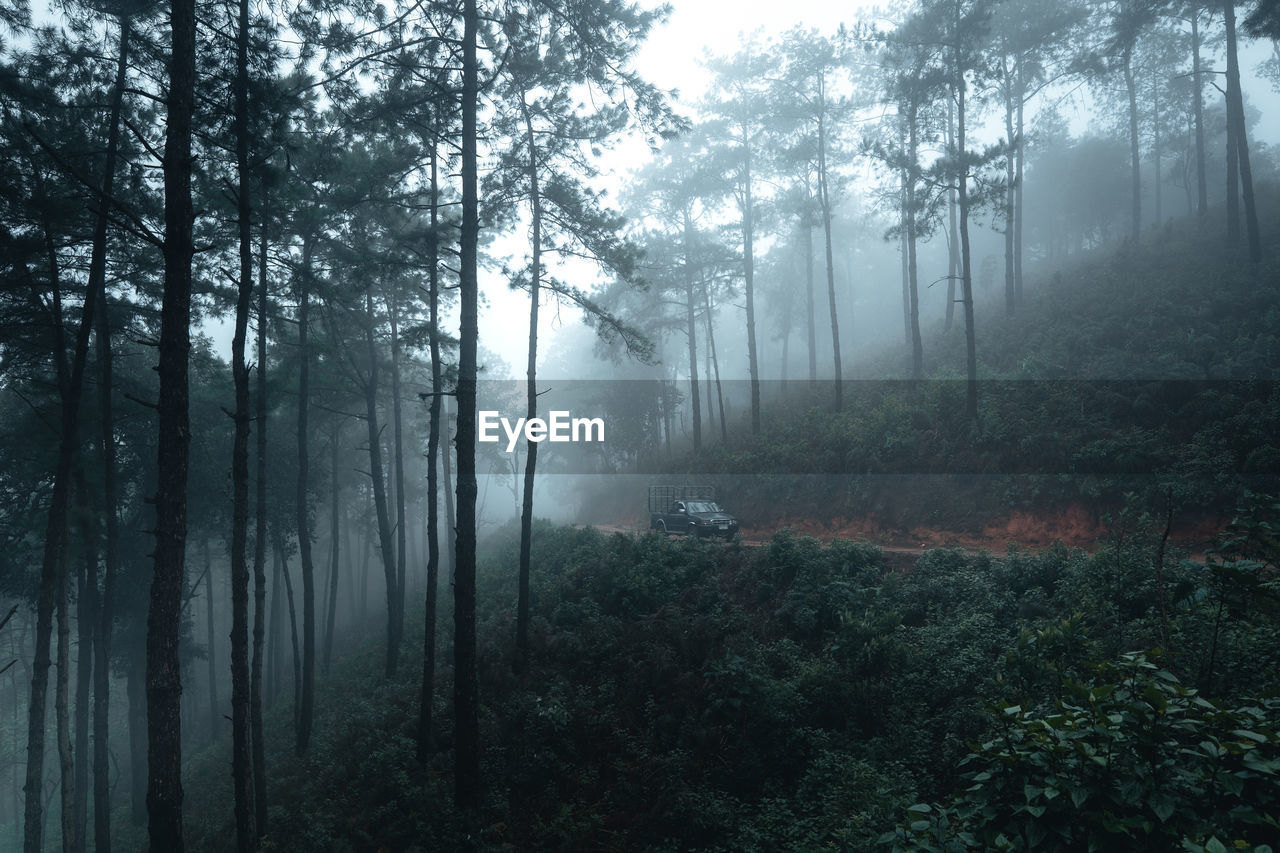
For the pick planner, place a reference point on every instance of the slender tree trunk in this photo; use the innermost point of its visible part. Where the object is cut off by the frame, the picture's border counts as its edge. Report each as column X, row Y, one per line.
column 1135, row 153
column 1235, row 119
column 1155, row 153
column 282, row 566
column 691, row 330
column 306, row 706
column 1020, row 149
column 1197, row 107
column 450, row 516
column 913, row 284
column 966, row 258
column 902, row 258
column 397, row 455
column 811, row 326
column 466, row 698
column 782, row 366
column 256, row 694
column 274, row 632
column 211, row 658
column 531, row 393
column 715, row 365
column 825, row 197
column 1233, row 179
column 706, row 370
column 86, row 622
column 105, row 606
column 953, row 230
column 425, row 737
column 1010, row 286
column 335, row 531
column 379, row 491
column 136, row 688
column 241, row 677
column 366, row 555
column 749, row 266
column 164, row 621
column 917, row 343
column 61, row 701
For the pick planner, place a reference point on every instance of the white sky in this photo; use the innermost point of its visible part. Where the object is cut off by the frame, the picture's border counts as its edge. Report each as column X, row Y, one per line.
column 669, row 60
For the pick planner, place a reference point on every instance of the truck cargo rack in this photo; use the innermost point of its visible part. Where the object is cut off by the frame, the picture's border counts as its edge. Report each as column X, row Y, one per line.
column 662, row 497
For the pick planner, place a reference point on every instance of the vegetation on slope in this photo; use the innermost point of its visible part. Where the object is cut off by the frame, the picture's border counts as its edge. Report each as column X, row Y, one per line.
column 1149, row 371
column 688, row 695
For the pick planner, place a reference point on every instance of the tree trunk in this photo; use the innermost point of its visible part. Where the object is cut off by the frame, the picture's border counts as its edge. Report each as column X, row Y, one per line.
column 425, row 738
column 164, row 621
column 692, row 330
column 466, row 698
column 306, row 705
column 335, row 529
column 379, row 491
column 1235, row 119
column 1010, row 287
column 397, row 456
column 811, row 326
column 953, row 231
column 1020, row 150
column 1155, row 153
column 913, row 284
column 241, row 691
column 282, row 566
column 966, row 259
column 1135, row 153
column 274, row 630
column 1197, row 107
column 211, row 657
column 136, row 688
column 105, row 606
column 749, row 265
column 256, row 694
column 531, row 393
column 450, row 516
column 86, row 629
column 61, row 701
column 902, row 258
column 825, row 198
column 715, row 365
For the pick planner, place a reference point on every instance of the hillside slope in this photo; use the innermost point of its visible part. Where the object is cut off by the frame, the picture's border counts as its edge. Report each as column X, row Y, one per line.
column 1146, row 374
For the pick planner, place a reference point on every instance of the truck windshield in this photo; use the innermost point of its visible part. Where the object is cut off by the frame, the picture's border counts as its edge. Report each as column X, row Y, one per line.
column 702, row 506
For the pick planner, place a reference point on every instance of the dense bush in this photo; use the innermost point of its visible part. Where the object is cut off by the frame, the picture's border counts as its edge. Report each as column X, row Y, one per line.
column 1129, row 760
column 697, row 695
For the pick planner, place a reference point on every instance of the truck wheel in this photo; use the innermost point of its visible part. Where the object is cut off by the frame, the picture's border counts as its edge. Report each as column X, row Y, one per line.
column 662, row 527
column 693, row 530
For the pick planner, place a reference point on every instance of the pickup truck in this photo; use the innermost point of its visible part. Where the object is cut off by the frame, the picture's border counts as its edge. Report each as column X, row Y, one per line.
column 690, row 510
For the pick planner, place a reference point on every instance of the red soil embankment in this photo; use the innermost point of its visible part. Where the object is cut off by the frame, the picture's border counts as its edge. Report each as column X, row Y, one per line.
column 1074, row 526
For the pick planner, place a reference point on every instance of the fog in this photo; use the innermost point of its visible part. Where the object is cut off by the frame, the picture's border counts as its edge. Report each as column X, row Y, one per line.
column 974, row 275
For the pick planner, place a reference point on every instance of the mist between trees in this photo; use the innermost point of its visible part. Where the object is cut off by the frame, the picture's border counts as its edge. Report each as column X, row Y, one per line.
column 855, row 273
